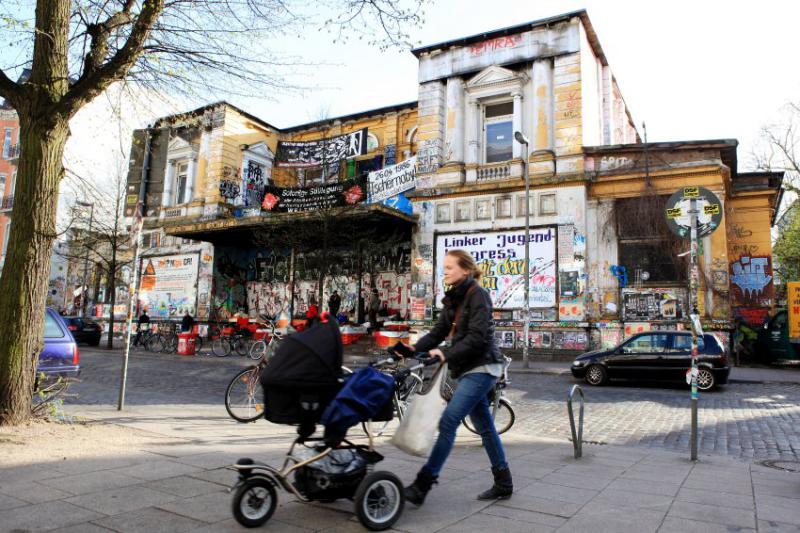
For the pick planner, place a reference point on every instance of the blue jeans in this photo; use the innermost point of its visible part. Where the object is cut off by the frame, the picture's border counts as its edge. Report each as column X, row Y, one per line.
column 470, row 398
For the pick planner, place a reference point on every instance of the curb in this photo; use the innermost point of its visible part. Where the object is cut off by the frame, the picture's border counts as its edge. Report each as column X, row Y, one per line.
column 730, row 380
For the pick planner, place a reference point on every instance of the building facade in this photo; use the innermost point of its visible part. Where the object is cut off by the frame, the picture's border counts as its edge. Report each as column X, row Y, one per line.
column 213, row 180
column 9, row 139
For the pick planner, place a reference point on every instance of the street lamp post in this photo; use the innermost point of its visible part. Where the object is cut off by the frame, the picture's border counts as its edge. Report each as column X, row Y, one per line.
column 85, row 288
column 526, row 307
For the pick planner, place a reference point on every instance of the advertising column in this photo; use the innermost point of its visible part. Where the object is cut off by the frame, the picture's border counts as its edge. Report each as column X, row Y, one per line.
column 169, row 285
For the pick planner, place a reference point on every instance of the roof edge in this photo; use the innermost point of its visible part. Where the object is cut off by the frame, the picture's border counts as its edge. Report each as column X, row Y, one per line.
column 463, row 41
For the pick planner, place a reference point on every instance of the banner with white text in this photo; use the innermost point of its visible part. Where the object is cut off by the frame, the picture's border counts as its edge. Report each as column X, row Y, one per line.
column 501, row 257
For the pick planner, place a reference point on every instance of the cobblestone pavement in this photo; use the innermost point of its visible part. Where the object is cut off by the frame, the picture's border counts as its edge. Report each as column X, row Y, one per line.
column 743, row 420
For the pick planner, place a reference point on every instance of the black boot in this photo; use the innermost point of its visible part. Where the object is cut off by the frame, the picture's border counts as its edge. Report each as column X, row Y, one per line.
column 502, row 488
column 416, row 492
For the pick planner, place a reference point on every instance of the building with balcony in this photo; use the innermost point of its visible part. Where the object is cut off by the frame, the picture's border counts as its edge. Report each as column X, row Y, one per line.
column 241, row 215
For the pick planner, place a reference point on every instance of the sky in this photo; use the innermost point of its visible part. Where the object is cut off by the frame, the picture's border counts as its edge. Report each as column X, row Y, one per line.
column 698, row 69
column 701, row 69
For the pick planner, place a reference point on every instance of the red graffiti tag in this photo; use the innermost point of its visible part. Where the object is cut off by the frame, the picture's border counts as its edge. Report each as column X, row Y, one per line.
column 495, row 44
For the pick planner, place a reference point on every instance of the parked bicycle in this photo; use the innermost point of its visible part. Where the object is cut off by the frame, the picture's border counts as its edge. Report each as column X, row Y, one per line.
column 244, row 397
column 408, row 381
column 500, row 406
column 262, row 347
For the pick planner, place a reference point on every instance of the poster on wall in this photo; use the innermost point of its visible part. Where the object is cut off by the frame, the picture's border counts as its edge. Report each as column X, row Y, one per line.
column 299, row 154
column 501, row 257
column 653, row 304
column 391, row 181
column 297, row 199
column 168, row 287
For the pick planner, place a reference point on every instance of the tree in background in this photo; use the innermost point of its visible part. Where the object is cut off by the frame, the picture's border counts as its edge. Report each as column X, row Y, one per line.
column 106, row 245
column 72, row 51
column 778, row 150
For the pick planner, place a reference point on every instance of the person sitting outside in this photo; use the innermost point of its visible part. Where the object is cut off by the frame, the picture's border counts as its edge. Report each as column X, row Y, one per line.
column 143, row 324
column 187, row 323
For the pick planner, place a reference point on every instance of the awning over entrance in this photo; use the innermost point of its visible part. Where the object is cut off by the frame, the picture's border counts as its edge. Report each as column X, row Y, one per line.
column 301, row 227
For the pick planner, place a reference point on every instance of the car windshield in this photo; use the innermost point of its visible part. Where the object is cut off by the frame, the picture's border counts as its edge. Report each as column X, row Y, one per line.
column 51, row 328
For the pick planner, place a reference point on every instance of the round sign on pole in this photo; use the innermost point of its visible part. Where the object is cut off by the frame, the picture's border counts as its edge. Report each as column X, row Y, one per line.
column 709, row 211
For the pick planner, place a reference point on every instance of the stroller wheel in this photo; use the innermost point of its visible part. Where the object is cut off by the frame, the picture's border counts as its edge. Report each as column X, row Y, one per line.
column 379, row 500
column 254, row 502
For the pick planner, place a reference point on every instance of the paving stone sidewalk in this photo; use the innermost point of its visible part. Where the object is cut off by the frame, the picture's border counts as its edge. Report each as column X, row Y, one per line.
column 179, row 480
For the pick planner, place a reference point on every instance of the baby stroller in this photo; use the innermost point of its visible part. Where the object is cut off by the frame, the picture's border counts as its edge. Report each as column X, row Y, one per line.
column 303, row 385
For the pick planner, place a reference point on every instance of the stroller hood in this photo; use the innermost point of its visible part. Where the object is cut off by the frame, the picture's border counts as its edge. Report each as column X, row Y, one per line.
column 312, row 357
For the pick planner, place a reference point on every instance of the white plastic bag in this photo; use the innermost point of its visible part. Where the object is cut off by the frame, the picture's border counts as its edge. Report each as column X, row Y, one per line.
column 417, row 432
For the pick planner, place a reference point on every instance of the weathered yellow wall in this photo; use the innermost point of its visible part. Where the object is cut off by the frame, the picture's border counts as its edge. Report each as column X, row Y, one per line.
column 713, row 296
column 750, row 248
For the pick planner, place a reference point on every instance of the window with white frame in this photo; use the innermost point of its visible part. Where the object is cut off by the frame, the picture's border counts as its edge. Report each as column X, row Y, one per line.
column 547, row 204
column 463, row 210
column 7, row 143
column 2, row 185
column 443, row 212
column 256, row 173
column 181, row 183
column 180, row 172
column 498, row 131
column 5, row 237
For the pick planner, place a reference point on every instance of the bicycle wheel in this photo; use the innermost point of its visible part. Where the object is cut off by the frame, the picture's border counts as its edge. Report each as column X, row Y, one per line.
column 221, row 347
column 504, row 418
column 198, row 344
column 242, row 346
column 244, row 397
column 400, row 401
column 171, row 343
column 258, row 349
column 155, row 343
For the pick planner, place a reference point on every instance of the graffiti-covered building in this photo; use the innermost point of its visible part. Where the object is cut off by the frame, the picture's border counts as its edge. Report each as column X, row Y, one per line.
column 243, row 216
column 549, row 80
column 638, row 269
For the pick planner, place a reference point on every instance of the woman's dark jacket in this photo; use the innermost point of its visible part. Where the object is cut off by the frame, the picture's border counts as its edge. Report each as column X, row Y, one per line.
column 473, row 342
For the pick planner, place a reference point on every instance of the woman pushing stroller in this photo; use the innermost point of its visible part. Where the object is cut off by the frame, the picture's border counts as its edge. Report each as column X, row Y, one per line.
column 474, row 360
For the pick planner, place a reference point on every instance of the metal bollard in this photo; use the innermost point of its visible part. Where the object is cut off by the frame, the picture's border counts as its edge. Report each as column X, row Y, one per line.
column 577, row 438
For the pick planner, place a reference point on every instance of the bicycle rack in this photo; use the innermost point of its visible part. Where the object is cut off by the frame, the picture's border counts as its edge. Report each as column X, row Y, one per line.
column 577, row 439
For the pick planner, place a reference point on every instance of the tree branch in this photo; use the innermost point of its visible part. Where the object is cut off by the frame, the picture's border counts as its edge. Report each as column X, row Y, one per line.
column 97, row 78
column 9, row 90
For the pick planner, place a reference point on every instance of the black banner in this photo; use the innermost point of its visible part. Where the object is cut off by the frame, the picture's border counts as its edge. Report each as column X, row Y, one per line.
column 296, row 199
column 301, row 154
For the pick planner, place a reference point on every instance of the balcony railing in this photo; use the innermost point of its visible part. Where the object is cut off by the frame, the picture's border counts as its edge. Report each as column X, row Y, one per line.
column 494, row 172
column 7, row 204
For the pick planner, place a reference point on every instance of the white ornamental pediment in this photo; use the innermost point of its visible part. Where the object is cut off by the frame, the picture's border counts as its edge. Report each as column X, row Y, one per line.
column 261, row 149
column 494, row 75
column 179, row 147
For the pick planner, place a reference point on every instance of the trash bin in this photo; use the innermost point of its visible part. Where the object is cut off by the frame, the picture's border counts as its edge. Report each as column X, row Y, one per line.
column 187, row 343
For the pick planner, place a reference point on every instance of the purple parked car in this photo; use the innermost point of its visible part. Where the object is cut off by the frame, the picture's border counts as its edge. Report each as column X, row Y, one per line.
column 60, row 356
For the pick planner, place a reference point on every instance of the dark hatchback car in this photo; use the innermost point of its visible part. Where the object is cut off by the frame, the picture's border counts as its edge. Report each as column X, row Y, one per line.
column 656, row 356
column 84, row 329
column 60, row 355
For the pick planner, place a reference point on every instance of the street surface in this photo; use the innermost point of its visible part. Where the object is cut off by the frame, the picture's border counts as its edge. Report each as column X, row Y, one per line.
column 743, row 420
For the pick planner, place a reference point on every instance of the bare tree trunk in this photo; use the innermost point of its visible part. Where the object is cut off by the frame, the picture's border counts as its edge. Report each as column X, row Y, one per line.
column 28, row 261
column 113, row 288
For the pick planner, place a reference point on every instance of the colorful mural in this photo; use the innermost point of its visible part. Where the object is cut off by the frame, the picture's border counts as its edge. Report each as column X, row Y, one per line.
column 751, row 281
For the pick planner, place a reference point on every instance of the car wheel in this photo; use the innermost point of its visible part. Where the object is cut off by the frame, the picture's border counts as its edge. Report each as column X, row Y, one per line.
column 705, row 379
column 596, row 375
